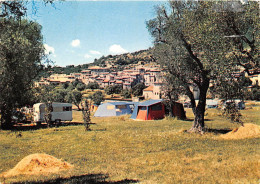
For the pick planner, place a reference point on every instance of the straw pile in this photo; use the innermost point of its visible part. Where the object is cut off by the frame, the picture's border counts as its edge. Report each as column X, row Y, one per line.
column 38, row 164
column 249, row 130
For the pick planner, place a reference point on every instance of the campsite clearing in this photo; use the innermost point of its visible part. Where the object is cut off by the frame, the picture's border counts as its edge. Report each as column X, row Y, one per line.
column 119, row 148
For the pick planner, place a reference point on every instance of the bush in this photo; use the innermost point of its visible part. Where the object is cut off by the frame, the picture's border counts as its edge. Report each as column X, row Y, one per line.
column 81, row 86
column 126, row 94
column 137, row 90
column 116, row 89
column 92, row 85
column 97, row 97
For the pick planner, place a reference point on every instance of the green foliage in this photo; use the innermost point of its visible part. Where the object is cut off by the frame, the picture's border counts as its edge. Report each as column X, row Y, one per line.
column 75, row 83
column 244, row 81
column 86, row 114
column 137, row 90
column 21, row 53
column 48, row 115
column 17, row 8
column 125, row 59
column 74, row 97
column 231, row 112
column 46, row 72
column 126, row 93
column 97, row 97
column 45, row 94
column 70, row 87
column 92, row 85
column 115, row 89
column 59, row 95
column 253, row 94
column 81, row 86
column 192, row 45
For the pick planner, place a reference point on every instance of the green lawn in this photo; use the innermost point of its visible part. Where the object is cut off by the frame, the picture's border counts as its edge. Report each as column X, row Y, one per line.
column 120, row 149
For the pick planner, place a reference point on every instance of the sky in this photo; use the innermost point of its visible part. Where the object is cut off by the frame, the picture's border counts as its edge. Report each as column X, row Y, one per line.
column 77, row 32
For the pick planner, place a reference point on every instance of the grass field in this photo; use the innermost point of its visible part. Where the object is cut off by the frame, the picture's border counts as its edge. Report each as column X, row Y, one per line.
column 120, row 150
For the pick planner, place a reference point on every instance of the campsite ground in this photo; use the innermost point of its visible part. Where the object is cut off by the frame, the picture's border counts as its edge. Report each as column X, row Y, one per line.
column 120, row 149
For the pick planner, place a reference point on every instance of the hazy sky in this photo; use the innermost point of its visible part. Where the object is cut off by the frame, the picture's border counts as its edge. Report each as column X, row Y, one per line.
column 77, row 32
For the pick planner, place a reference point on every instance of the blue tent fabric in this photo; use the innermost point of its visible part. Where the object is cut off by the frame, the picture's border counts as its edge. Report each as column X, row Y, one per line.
column 149, row 102
column 135, row 111
column 113, row 109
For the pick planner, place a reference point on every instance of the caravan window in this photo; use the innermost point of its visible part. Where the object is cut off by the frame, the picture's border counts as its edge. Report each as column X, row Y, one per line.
column 67, row 108
column 110, row 107
column 121, row 106
column 157, row 107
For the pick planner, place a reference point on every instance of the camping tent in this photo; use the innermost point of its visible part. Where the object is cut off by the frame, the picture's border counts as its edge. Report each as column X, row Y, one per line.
column 155, row 109
column 149, row 110
column 113, row 109
column 178, row 110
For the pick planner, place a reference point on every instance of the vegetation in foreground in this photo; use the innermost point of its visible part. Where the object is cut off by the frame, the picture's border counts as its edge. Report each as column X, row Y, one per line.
column 120, row 149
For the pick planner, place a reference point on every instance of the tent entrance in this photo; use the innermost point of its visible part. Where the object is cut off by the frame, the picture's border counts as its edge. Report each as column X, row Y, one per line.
column 142, row 113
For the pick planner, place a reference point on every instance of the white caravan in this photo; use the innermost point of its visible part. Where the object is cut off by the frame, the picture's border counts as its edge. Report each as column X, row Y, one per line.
column 61, row 112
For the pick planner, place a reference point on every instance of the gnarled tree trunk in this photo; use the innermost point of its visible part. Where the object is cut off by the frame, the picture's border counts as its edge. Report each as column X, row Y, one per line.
column 199, row 111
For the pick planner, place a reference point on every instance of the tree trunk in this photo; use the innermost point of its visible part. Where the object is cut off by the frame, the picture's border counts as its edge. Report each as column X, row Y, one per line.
column 198, row 124
column 78, row 106
column 170, row 104
column 171, row 109
column 6, row 118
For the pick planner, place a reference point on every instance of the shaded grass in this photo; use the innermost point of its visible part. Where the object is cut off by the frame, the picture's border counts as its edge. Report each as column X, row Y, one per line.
column 144, row 151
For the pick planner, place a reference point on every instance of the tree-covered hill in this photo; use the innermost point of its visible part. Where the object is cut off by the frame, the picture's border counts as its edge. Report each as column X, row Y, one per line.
column 117, row 61
column 125, row 59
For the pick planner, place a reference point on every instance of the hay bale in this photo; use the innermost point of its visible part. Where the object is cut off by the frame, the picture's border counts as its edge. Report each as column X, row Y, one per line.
column 38, row 164
column 249, row 130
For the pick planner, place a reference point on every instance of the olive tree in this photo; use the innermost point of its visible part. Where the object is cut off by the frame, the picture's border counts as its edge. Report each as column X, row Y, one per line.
column 21, row 56
column 21, row 53
column 203, row 42
column 74, row 97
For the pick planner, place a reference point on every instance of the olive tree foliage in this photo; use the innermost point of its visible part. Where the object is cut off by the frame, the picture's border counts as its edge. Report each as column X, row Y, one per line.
column 17, row 8
column 86, row 114
column 21, row 52
column 92, row 85
column 137, row 90
column 97, row 97
column 74, row 97
column 21, row 56
column 203, row 42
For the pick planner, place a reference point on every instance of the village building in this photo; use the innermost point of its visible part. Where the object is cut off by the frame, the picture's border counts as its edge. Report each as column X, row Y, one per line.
column 153, row 92
column 96, row 70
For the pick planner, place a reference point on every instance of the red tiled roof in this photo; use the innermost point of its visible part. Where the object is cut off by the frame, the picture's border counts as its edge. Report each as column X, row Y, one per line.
column 150, row 88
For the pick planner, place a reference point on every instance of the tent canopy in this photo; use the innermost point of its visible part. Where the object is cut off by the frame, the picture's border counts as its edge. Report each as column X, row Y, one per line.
column 113, row 109
column 149, row 110
column 155, row 109
column 149, row 102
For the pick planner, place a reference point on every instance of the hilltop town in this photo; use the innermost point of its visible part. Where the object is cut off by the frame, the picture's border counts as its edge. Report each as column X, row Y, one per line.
column 126, row 70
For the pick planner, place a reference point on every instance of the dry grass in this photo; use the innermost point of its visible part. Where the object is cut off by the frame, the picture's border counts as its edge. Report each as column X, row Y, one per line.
column 147, row 151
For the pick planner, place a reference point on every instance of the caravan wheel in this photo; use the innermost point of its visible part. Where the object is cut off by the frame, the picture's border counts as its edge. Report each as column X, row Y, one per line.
column 38, row 123
column 57, row 122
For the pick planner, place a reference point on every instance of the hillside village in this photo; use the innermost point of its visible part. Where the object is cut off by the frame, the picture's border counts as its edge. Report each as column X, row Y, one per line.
column 126, row 70
column 108, row 72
